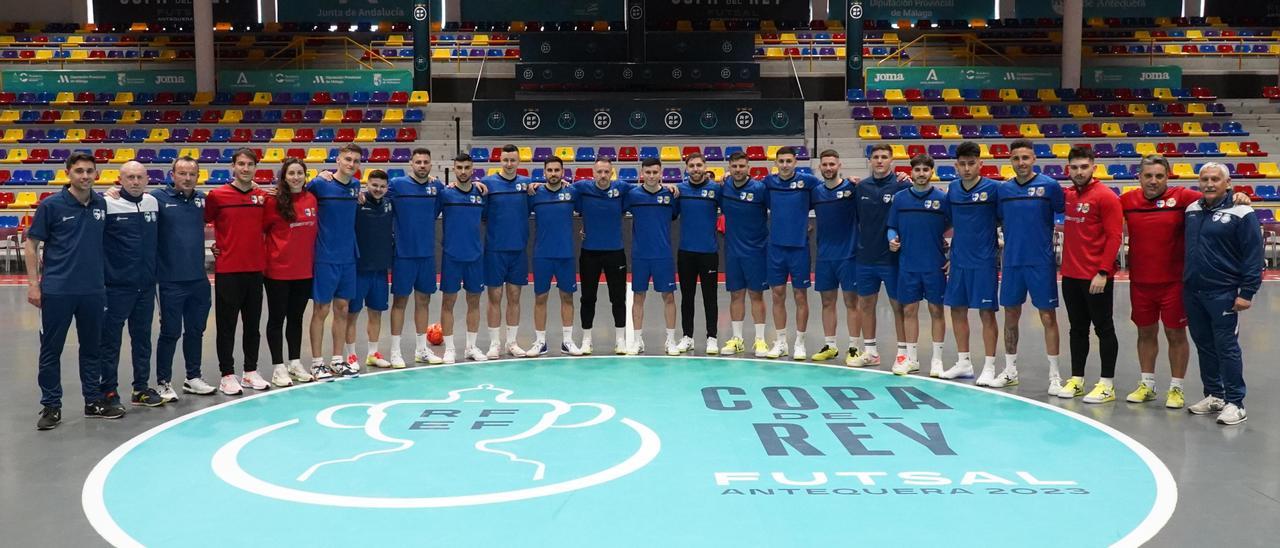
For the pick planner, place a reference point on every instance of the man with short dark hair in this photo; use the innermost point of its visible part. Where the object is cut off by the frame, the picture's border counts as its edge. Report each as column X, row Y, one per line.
column 334, row 284
column 373, row 227
column 552, row 206
column 653, row 207
column 506, row 241
column 415, row 202
column 698, row 255
column 917, row 233
column 746, row 232
column 600, row 202
column 875, row 263
column 835, row 218
column 462, row 207
column 789, row 203
column 973, row 278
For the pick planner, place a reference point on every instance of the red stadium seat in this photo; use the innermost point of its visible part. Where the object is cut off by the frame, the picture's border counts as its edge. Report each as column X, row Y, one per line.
column 992, row 172
column 344, row 135
column 759, row 172
column 625, row 154
column 1000, row 151
column 406, row 135
column 263, row 176
column 583, row 174
column 756, row 154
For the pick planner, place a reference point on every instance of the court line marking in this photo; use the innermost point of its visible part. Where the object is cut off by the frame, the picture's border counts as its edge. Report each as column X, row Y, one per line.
column 94, row 504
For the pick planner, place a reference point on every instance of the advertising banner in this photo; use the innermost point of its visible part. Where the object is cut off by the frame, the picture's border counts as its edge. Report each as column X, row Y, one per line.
column 237, row 12
column 963, row 77
column 1165, row 76
column 315, row 80
column 99, row 81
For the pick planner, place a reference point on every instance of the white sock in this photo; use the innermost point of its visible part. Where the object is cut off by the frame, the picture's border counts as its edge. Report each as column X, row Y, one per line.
column 512, row 332
column 760, row 331
column 421, row 341
column 1011, row 361
column 586, row 337
column 1175, row 383
column 1149, row 379
column 316, row 362
column 448, row 343
column 799, row 338
column 671, row 336
column 471, row 339
column 620, row 333
column 870, row 349
column 395, row 345
column 539, row 336
column 1107, row 382
column 737, row 329
column 780, row 337
column 964, row 357
column 937, row 351
column 902, row 349
column 349, row 349
column 830, row 341
column 855, row 342
column 913, row 352
column 371, row 347
column 1053, row 367
column 989, row 362
column 495, row 336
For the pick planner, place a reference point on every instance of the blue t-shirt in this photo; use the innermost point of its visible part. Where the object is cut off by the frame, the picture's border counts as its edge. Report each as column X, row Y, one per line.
column 651, row 214
column 180, row 240
column 1026, row 211
column 601, row 213
column 973, row 214
column 921, row 222
column 746, row 217
column 789, row 209
column 553, row 221
column 374, row 221
column 699, row 210
column 507, row 224
column 835, row 213
column 131, row 235
column 874, row 197
column 462, row 212
column 72, row 236
column 416, row 208
column 336, row 220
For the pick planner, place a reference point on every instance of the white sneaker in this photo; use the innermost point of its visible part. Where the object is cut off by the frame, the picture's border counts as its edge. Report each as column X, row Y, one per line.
column 713, row 347
column 351, row 366
column 280, row 376
column 538, row 349
column 585, row 349
column 425, row 355
column 474, row 354
column 513, row 349
column 397, row 360
column 686, row 344
column 935, row 367
column 636, row 348
column 298, row 373
column 197, row 386
column 986, row 377
column 800, row 354
column 320, row 371
column 961, row 370
column 449, row 356
column 620, row 347
column 230, row 386
column 376, row 360
column 905, row 366
column 1210, row 404
column 167, row 394
column 673, row 349
column 1055, row 385
column 255, row 381
column 778, row 350
column 1232, row 414
column 567, row 348
column 1005, row 378
column 495, row 351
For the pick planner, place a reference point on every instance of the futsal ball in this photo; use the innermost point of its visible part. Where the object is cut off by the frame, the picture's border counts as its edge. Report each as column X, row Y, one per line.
column 435, row 334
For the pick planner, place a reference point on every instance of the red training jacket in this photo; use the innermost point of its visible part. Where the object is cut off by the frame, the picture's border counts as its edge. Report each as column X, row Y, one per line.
column 1092, row 231
column 237, row 228
column 291, row 247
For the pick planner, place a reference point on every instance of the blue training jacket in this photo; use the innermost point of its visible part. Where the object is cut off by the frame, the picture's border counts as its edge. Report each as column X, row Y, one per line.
column 1224, row 248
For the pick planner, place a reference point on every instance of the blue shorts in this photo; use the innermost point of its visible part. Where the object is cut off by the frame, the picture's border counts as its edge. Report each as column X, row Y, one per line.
column 371, row 291
column 333, row 281
column 413, row 274
column 1041, row 281
column 789, row 261
column 455, row 275
column 662, row 271
column 506, row 267
column 830, row 275
column 745, row 273
column 916, row 286
column 563, row 270
column 972, row 288
column 871, row 275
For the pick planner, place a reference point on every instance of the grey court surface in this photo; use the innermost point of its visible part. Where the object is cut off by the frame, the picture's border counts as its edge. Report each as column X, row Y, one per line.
column 1228, row 478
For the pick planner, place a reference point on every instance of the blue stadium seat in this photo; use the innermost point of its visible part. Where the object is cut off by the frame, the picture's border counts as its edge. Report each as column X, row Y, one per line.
column 479, row 155
column 1126, row 150
column 1055, row 171
column 607, row 152
column 946, row 173
column 1119, row 172
column 388, row 135
column 906, row 132
column 1104, row 150
column 1051, row 131
column 166, row 155
column 649, row 152
column 220, row 135
column 1209, row 148
column 584, row 154
column 712, row 153
column 324, row 135
column 413, row 116
column 628, row 174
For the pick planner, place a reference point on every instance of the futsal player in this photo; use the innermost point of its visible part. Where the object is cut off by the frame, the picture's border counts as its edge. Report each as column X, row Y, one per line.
column 789, row 196
column 875, row 263
column 552, row 205
column 698, row 255
column 70, row 287
column 462, row 207
column 917, row 233
column 506, row 259
column 744, row 202
column 334, row 284
column 1092, row 236
column 972, row 279
column 415, row 203
column 374, row 222
column 653, row 207
column 1027, row 204
column 835, row 219
column 599, row 201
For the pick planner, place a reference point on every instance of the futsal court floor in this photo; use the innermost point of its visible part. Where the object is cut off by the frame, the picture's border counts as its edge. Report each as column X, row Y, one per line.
column 1227, row 478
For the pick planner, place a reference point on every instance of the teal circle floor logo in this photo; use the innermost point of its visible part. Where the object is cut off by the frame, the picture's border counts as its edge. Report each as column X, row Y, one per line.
column 636, row 452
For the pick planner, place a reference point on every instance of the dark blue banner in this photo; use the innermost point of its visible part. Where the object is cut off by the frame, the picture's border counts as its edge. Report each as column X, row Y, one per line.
column 586, row 118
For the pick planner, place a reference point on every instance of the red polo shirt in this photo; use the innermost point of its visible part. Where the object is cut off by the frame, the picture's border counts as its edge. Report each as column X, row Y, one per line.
column 1157, row 234
column 237, row 228
column 1092, row 232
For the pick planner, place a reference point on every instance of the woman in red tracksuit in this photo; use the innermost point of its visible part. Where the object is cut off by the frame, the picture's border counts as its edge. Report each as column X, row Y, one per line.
column 289, row 220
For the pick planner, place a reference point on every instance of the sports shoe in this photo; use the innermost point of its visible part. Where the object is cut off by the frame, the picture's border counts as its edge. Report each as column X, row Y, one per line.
column 147, row 397
column 255, row 381
column 961, row 370
column 732, row 346
column 397, row 360
column 230, row 385
column 713, row 347
column 986, row 377
column 1232, row 414
column 1074, row 388
column 1142, row 393
column 1175, row 399
column 197, row 386
column 852, row 356
column 426, row 355
column 904, row 365
column 495, row 351
column 166, row 391
column 620, row 347
column 779, row 350
column 49, row 418
column 539, row 348
column 450, row 356
column 299, row 373
column 320, row 371
column 567, row 348
column 102, row 409
column 864, row 360
column 761, row 348
column 1055, row 385
column 280, row 376
column 935, row 368
column 800, row 354
column 827, row 352
column 636, row 348
column 376, row 360
column 685, row 344
column 1006, row 378
column 1101, row 393
column 585, row 349
column 338, row 366
column 474, row 354
column 351, row 366
column 113, row 401
column 513, row 349
column 1210, row 404
column 673, row 348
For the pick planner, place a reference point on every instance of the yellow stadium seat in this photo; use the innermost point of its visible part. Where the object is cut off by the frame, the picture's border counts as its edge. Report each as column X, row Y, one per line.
column 1007, row 172
column 1113, row 130
column 480, row 40
column 1193, row 129
column 130, row 117
column 1164, row 22
column 977, row 23
column 1230, row 149
column 669, row 154
column 891, row 38
column 109, row 177
column 1079, row 110
column 1197, row 109
column 899, row 152
column 123, row 98
column 1213, row 21
column 73, row 136
column 1170, row 49
column 864, row 132
column 419, row 98
column 9, row 117
column 79, row 55
column 60, row 177
column 1101, row 174
column 12, row 136
column 282, row 135
column 6, row 40
column 44, row 55
column 1060, row 150
column 952, row 95
column 771, row 152
column 202, row 99
column 894, row 96
column 1184, row 171
column 367, row 135
column 317, row 155
column 231, row 116
column 1139, row 110
column 789, row 38
column 395, row 40
column 949, row 131
column 63, row 99
column 1127, row 188
column 1096, row 22
column 393, row 115
column 773, row 53
column 1273, row 49
column 189, row 151
column 25, row 200
column 717, row 173
column 168, row 55
column 920, row 112
column 565, row 153
column 16, row 156
column 493, row 171
column 1142, row 35
column 332, row 116
column 1145, row 149
column 1195, row 34
column 1048, row 95
column 1031, row 131
column 1010, row 95
column 440, row 54
column 1269, row 170
column 526, row 154
column 261, row 99
column 840, row 53
column 1163, row 94
column 312, row 173
column 272, row 156
column 123, row 155
column 69, row 116
column 985, row 152
column 980, row 112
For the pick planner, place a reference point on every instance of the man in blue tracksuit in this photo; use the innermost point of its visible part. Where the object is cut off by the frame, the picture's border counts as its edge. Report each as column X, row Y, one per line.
column 376, row 248
column 1223, row 271
column 130, row 274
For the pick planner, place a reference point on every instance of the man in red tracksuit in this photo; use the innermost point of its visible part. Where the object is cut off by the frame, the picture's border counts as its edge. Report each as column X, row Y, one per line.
column 1092, row 234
